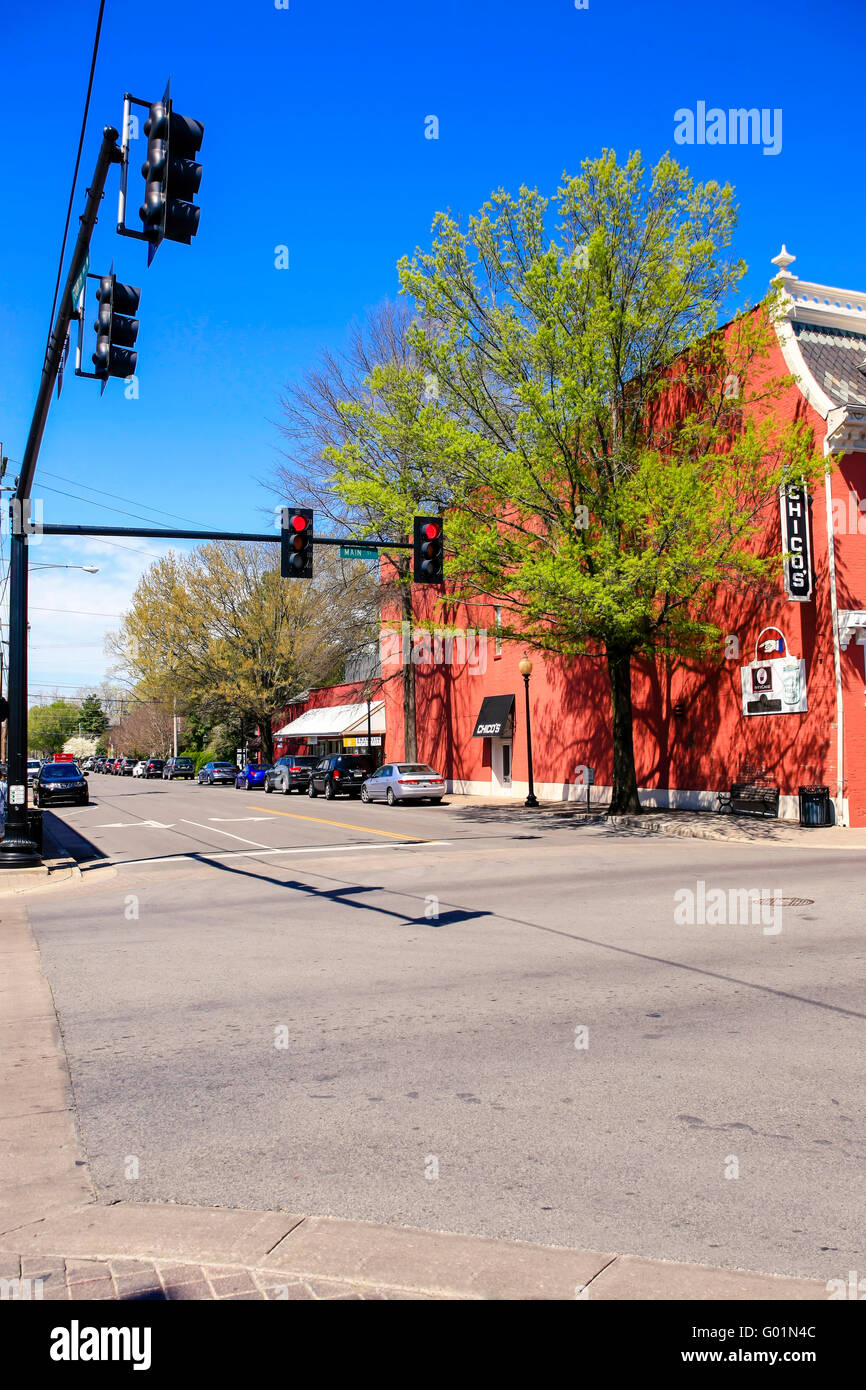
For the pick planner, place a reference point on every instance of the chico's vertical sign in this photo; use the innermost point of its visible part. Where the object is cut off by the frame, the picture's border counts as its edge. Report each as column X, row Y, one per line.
column 796, row 543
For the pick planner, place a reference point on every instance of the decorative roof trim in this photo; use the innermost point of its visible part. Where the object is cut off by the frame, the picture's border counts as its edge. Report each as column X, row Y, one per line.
column 792, row 353
column 852, row 623
column 804, row 301
column 846, row 430
column 824, row 305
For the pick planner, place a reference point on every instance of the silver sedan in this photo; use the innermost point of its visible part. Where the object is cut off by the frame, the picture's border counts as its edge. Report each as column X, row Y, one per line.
column 395, row 782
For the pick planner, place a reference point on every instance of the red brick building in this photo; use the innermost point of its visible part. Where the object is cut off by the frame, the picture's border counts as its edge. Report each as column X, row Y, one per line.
column 795, row 714
column 333, row 719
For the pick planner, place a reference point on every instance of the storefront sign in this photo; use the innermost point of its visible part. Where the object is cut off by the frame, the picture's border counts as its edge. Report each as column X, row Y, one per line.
column 794, row 503
column 495, row 717
column 777, row 686
column 374, row 742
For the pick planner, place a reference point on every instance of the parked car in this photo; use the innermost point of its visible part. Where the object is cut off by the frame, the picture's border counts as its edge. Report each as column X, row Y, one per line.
column 153, row 767
column 213, row 773
column 183, row 768
column 340, row 774
column 127, row 766
column 395, row 782
column 253, row 775
column 138, row 770
column 87, row 765
column 60, row 782
column 33, row 766
column 291, row 773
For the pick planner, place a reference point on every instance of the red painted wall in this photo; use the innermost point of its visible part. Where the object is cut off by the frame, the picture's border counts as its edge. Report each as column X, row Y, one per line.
column 712, row 743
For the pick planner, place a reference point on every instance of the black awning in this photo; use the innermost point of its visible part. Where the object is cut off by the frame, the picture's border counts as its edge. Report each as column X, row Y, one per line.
column 494, row 717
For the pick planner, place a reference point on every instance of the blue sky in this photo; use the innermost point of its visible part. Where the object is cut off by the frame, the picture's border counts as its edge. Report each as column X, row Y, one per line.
column 314, row 139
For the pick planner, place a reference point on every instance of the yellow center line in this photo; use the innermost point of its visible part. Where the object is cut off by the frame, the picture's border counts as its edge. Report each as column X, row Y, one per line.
column 343, row 825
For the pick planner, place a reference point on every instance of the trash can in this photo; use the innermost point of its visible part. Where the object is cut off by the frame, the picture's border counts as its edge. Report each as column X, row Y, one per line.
column 814, row 805
column 34, row 826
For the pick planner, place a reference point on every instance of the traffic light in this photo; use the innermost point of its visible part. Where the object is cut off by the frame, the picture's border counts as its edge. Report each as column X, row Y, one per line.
column 116, row 328
column 171, row 176
column 296, row 551
column 429, row 553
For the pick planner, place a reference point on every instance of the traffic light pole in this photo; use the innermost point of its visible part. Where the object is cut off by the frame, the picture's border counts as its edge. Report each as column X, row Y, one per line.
column 17, row 849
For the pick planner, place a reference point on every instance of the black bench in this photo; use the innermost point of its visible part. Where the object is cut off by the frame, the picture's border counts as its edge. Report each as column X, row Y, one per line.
column 751, row 799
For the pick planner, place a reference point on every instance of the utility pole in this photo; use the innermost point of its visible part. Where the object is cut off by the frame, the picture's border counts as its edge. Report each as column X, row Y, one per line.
column 17, row 849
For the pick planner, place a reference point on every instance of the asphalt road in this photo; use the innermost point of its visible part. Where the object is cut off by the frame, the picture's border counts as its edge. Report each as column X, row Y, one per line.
column 375, row 1013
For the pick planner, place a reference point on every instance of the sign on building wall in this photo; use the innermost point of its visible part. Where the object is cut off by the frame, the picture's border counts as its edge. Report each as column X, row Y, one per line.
column 796, row 542
column 777, row 686
column 774, row 684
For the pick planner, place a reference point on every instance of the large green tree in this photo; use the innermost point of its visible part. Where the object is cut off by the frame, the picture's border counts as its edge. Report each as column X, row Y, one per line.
column 218, row 632
column 617, row 456
column 49, row 726
column 92, row 716
column 367, row 447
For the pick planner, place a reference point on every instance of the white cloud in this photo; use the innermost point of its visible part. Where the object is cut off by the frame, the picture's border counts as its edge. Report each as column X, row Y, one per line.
column 67, row 647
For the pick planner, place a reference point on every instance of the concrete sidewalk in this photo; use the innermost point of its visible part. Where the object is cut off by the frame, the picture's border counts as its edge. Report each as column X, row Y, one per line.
column 55, row 1233
column 696, row 825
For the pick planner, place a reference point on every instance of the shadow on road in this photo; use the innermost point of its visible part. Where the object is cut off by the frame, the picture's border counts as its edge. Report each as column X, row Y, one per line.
column 62, row 836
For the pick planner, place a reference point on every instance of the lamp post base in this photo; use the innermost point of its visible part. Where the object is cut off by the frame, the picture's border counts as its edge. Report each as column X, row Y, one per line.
column 531, row 800
column 17, row 852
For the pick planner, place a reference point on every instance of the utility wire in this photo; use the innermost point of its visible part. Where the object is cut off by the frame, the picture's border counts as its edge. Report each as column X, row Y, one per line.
column 136, row 516
column 44, row 473
column 77, row 164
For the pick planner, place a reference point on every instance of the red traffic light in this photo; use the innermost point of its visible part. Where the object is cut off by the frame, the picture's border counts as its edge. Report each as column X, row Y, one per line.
column 296, row 553
column 428, row 540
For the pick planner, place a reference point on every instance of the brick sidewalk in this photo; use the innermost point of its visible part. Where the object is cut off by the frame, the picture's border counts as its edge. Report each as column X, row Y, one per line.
column 25, row 1278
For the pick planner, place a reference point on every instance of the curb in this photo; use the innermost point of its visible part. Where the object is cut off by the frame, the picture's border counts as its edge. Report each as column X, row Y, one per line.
column 366, row 1254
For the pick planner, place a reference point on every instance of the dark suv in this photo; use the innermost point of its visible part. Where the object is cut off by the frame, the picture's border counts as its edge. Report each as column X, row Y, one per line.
column 179, row 767
column 60, row 782
column 126, row 766
column 290, row 773
column 341, row 774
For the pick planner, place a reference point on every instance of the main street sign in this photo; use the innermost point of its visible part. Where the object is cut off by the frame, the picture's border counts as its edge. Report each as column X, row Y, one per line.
column 358, row 552
column 79, row 282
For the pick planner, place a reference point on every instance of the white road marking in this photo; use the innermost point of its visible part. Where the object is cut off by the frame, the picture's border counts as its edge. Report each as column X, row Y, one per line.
column 215, row 828
column 253, row 854
column 234, row 820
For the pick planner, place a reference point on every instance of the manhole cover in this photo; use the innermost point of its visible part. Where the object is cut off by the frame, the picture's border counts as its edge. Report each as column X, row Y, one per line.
column 787, row 902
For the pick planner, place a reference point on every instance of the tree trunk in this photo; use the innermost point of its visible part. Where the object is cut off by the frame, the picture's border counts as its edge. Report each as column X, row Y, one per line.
column 624, row 798
column 266, row 733
column 410, row 730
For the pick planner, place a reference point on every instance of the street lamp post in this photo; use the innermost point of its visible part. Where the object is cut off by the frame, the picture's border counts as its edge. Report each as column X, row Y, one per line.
column 525, row 669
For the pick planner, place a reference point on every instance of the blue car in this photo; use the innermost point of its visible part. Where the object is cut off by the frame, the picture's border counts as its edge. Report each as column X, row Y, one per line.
column 251, row 775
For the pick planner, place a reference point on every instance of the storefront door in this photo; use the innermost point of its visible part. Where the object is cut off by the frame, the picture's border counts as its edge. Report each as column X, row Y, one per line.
column 501, row 765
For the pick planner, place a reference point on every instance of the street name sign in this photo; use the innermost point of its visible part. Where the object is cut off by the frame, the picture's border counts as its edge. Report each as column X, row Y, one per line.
column 358, row 552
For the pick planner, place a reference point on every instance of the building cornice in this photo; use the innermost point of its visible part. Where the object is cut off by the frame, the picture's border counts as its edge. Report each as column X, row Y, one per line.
column 822, row 306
